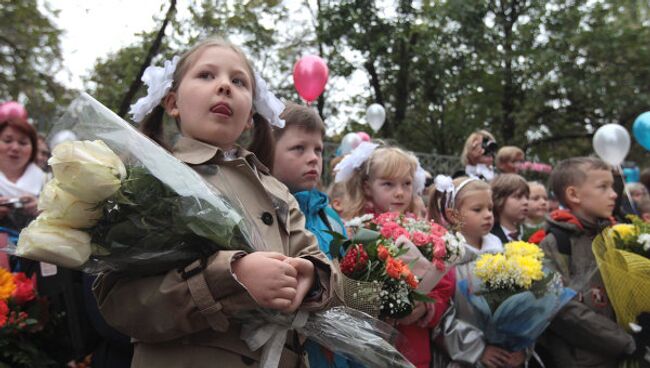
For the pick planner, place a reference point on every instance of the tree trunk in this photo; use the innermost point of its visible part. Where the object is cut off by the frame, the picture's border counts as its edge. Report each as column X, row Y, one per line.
column 153, row 51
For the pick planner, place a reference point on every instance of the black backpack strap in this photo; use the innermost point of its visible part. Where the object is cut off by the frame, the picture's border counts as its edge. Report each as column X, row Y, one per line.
column 562, row 237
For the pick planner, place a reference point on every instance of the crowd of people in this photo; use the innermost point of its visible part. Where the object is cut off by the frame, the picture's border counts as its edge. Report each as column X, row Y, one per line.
column 183, row 318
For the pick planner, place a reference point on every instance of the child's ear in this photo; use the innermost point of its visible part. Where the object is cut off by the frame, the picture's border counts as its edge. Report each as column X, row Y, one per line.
column 453, row 216
column 572, row 195
column 249, row 122
column 366, row 188
column 169, row 103
column 337, row 205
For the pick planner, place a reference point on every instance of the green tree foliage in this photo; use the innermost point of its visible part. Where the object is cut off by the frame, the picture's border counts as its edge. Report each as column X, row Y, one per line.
column 30, row 57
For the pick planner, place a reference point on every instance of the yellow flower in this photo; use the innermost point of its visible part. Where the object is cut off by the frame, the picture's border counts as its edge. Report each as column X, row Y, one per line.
column 528, row 269
column 7, row 285
column 625, row 231
column 521, row 248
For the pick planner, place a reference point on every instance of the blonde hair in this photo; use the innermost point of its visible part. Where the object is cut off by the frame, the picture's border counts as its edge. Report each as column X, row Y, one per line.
column 385, row 162
column 479, row 134
column 508, row 154
column 438, row 202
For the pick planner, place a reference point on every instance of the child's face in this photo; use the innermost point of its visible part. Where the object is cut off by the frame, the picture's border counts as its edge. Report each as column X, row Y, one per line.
column 595, row 197
column 537, row 202
column 516, row 208
column 298, row 159
column 510, row 167
column 214, row 98
column 390, row 194
column 639, row 194
column 476, row 213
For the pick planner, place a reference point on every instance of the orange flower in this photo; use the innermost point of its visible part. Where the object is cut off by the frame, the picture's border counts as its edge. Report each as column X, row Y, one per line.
column 382, row 252
column 393, row 268
column 7, row 285
column 412, row 281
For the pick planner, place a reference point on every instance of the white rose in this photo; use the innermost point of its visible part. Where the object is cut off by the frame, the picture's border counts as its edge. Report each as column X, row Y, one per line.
column 63, row 209
column 88, row 170
column 64, row 247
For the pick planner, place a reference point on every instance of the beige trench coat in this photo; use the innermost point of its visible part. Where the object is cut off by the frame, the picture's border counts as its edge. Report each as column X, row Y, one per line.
column 185, row 323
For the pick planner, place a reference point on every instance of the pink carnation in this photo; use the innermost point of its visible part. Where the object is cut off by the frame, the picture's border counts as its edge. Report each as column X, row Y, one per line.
column 419, row 238
column 387, row 229
column 440, row 265
column 439, row 248
column 400, row 231
column 437, row 230
column 385, row 218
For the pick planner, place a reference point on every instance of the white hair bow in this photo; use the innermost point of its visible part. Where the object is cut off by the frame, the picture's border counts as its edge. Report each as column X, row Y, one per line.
column 345, row 169
column 419, row 180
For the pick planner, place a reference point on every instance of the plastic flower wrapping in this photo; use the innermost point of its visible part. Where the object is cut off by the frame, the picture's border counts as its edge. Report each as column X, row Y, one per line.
column 119, row 202
column 513, row 296
column 23, row 316
column 398, row 257
column 622, row 253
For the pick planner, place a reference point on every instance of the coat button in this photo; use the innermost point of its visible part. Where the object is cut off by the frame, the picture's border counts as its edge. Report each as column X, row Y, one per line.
column 267, row 218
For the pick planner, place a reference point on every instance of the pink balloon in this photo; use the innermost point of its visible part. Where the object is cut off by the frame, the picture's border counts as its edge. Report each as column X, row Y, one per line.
column 310, row 77
column 12, row 110
column 364, row 136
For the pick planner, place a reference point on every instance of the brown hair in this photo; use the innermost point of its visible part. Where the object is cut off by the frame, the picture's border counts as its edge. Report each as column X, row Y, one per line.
column 504, row 186
column 384, row 162
column 300, row 116
column 262, row 142
column 573, row 172
column 438, row 202
column 27, row 129
column 508, row 154
column 467, row 148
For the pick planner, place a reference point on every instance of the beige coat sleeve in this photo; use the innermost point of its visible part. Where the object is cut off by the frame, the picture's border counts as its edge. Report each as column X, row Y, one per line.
column 166, row 307
column 304, row 244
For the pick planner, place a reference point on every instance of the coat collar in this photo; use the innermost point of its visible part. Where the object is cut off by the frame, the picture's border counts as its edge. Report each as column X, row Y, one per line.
column 194, row 152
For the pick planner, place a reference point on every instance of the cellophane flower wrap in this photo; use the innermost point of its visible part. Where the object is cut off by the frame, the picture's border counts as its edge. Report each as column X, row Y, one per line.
column 623, row 256
column 514, row 297
column 119, row 202
column 23, row 317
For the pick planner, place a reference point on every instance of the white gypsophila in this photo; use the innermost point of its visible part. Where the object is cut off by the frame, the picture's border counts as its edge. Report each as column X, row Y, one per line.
column 358, row 221
column 455, row 246
column 645, row 240
column 345, row 169
column 158, row 81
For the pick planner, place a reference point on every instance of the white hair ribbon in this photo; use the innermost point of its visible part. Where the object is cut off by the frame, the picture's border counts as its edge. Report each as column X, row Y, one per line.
column 345, row 169
column 419, row 179
column 459, row 188
column 158, row 81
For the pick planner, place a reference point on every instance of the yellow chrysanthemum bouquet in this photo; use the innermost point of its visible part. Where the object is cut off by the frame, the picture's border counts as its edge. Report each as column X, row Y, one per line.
column 622, row 253
column 514, row 295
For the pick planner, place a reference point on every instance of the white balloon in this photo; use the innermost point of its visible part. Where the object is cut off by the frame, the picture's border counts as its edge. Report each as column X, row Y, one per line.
column 612, row 143
column 349, row 142
column 376, row 115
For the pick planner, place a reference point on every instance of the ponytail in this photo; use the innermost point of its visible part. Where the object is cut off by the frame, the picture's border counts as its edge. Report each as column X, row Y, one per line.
column 438, row 207
column 263, row 143
column 152, row 127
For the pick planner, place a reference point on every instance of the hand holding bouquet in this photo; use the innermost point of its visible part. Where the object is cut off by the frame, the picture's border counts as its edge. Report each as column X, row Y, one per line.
column 513, row 296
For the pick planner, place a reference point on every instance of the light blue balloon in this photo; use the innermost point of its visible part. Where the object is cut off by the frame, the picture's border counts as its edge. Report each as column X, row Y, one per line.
column 641, row 130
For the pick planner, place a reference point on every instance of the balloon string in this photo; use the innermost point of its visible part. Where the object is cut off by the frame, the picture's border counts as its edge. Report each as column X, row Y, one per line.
column 627, row 190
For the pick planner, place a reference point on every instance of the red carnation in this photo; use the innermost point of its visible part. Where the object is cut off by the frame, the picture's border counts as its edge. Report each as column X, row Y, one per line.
column 400, row 231
column 437, row 230
column 4, row 310
column 385, row 218
column 387, row 229
column 24, row 291
column 355, row 260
